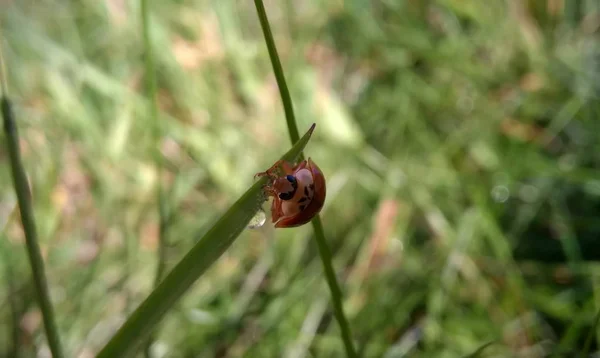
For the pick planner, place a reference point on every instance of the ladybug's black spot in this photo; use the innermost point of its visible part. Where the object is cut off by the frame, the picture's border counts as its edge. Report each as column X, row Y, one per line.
column 302, row 199
column 302, row 207
column 293, row 181
column 312, row 187
column 290, row 194
column 287, row 196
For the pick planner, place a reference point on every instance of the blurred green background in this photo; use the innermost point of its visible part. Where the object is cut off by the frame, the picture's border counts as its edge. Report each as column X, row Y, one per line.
column 459, row 138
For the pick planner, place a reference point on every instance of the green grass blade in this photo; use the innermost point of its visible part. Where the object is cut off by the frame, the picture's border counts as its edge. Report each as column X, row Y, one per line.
column 31, row 239
column 334, row 287
column 16, row 314
column 208, row 249
column 591, row 335
column 479, row 351
column 324, row 251
column 278, row 70
column 151, row 89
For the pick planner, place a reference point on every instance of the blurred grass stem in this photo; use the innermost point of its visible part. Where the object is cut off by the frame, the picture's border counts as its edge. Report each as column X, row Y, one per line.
column 591, row 335
column 151, row 89
column 3, row 76
column 13, row 297
column 23, row 192
column 324, row 251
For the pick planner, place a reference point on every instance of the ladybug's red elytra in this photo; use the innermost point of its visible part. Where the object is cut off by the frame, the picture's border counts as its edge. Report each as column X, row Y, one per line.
column 298, row 192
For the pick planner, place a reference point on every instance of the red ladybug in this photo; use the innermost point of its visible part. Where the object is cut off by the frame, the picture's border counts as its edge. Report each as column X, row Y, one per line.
column 298, row 192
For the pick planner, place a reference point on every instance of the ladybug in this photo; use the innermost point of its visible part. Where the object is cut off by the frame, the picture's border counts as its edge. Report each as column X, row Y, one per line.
column 298, row 192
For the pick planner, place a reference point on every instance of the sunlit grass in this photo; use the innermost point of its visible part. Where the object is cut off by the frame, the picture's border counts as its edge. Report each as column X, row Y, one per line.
column 459, row 141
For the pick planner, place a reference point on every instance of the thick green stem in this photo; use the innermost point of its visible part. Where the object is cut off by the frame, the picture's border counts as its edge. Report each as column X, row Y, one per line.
column 33, row 250
column 324, row 251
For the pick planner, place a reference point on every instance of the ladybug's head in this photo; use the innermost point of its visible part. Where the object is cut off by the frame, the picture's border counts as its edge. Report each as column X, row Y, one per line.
column 286, row 186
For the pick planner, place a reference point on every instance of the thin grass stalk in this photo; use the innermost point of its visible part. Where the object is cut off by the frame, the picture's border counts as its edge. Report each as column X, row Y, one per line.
column 15, row 311
column 16, row 318
column 479, row 351
column 23, row 193
column 151, row 90
column 588, row 341
column 324, row 251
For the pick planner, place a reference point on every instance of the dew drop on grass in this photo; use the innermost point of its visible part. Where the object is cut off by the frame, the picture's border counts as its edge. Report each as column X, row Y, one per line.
column 500, row 193
column 258, row 220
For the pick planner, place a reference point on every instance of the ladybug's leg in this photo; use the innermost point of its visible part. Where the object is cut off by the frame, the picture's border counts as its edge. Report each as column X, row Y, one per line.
column 272, row 171
column 299, row 166
column 269, row 172
column 287, row 167
column 270, row 191
column 276, row 212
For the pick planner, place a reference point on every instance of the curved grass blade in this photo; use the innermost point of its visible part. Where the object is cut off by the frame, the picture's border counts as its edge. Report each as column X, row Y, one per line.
column 479, row 351
column 208, row 249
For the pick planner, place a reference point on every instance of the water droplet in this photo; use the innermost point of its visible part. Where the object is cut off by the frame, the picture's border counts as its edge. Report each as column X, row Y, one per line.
column 258, row 220
column 465, row 104
column 592, row 187
column 567, row 162
column 500, row 193
column 529, row 193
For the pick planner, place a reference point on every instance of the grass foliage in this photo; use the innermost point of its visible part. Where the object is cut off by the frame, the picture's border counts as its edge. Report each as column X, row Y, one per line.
column 319, row 234
column 460, row 142
column 210, row 247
